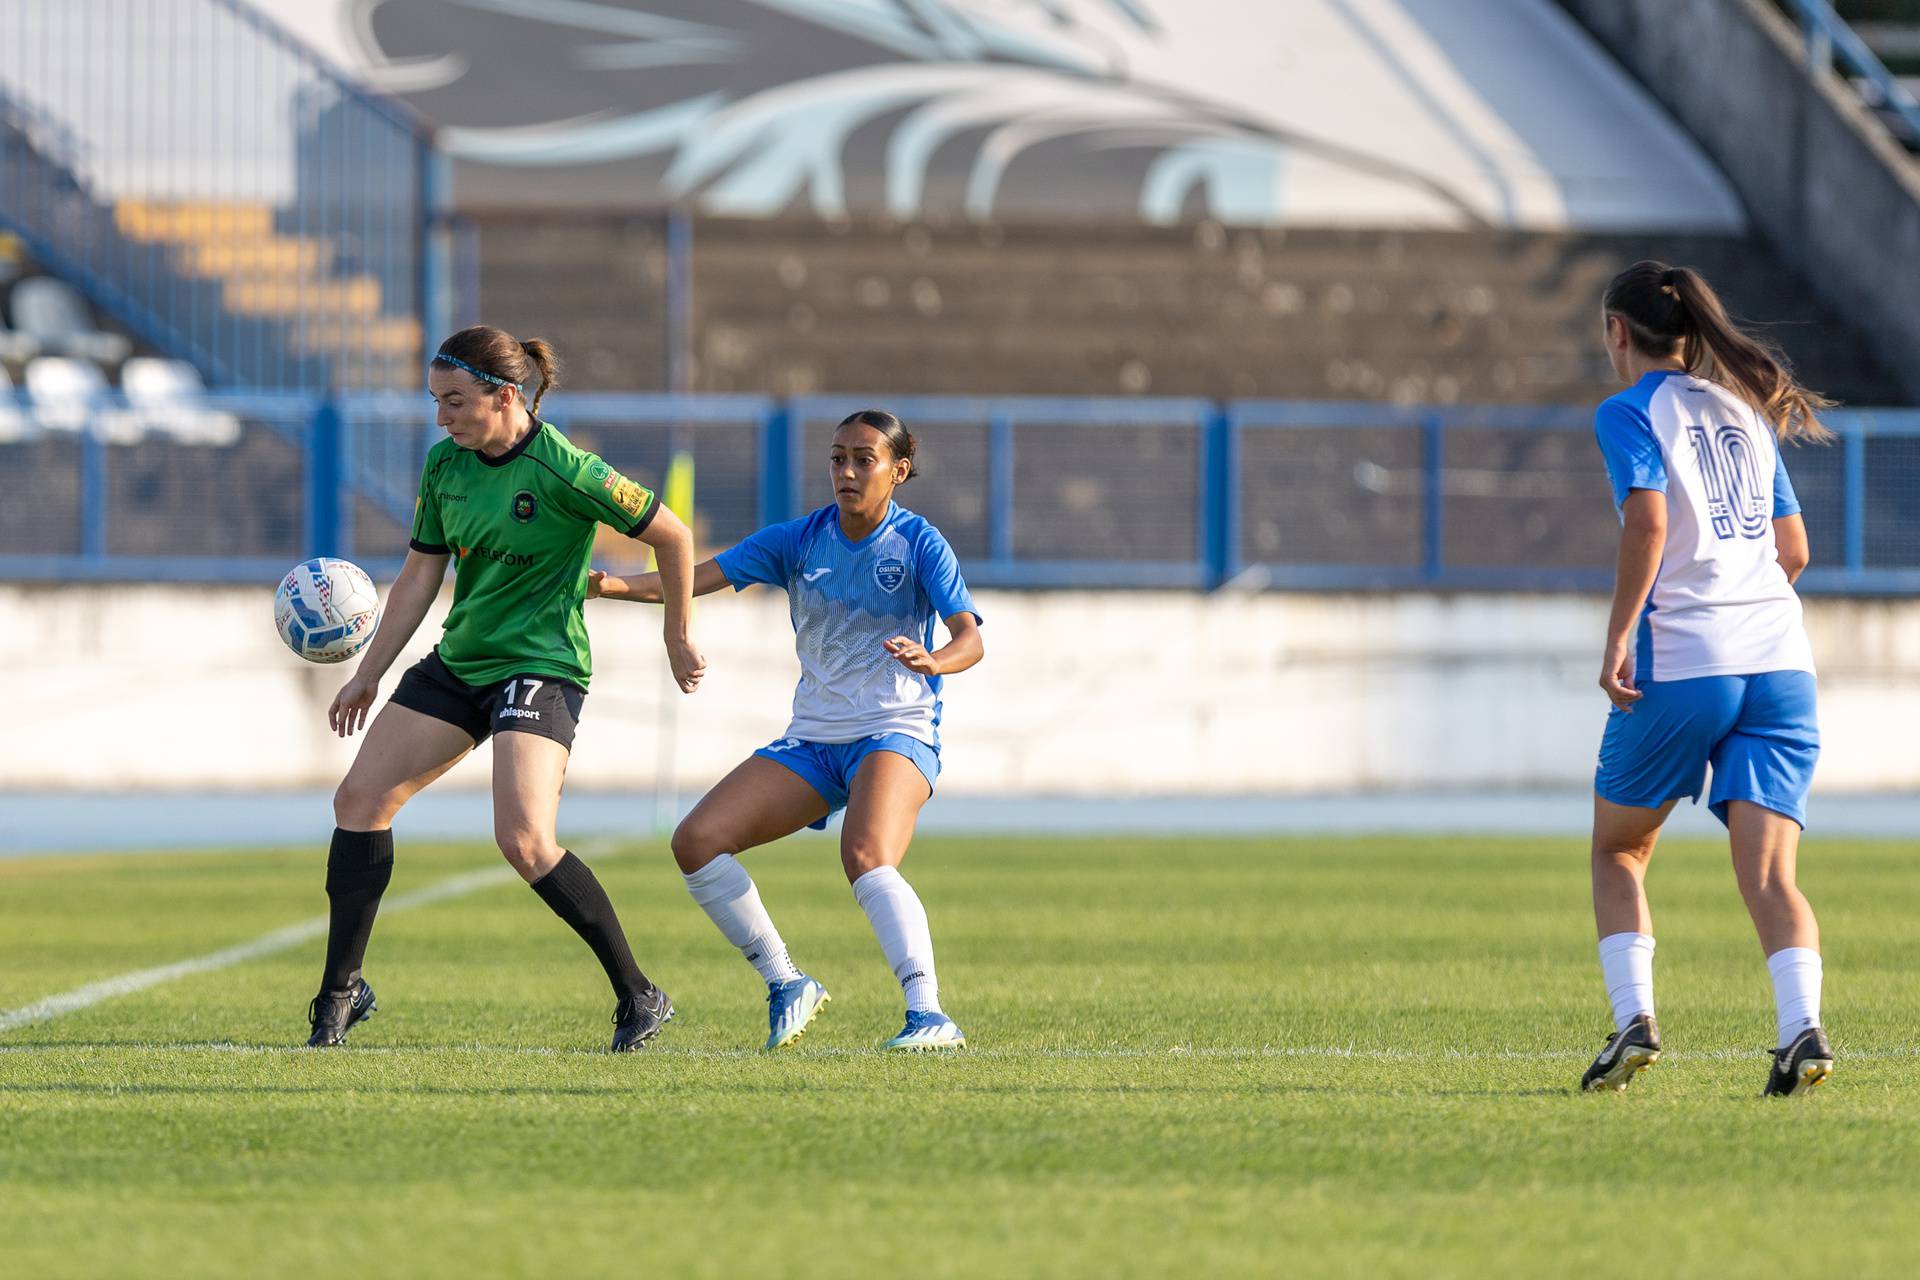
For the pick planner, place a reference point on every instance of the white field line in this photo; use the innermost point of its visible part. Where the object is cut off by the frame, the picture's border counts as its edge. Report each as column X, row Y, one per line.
column 1175, row 1054
column 286, row 939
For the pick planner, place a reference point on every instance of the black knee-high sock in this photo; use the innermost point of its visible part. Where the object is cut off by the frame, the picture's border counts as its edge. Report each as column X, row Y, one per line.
column 575, row 895
column 359, row 864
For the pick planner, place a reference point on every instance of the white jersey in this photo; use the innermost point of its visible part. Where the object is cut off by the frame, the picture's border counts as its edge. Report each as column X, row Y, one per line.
column 1721, row 605
column 847, row 599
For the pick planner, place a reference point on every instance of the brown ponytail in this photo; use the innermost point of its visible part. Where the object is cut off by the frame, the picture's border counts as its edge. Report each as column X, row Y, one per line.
column 500, row 359
column 1674, row 311
column 547, row 361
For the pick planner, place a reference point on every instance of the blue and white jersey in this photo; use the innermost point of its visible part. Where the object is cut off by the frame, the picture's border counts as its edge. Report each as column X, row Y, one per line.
column 1721, row 605
column 847, row 599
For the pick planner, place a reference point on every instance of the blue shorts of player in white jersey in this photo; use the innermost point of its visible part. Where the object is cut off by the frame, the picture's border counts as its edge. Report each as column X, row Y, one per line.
column 1759, row 732
column 828, row 767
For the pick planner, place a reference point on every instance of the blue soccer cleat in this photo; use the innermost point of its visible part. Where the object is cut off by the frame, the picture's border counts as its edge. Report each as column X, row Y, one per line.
column 791, row 1008
column 929, row 1030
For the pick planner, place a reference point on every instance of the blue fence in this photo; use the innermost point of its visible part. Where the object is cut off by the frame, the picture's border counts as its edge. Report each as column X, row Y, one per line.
column 222, row 192
column 1032, row 491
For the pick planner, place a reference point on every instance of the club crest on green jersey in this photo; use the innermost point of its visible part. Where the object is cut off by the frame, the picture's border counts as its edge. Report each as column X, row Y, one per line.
column 525, row 508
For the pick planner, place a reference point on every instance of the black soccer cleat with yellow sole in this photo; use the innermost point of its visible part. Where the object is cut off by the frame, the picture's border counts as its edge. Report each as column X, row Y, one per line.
column 333, row 1013
column 1626, row 1054
column 1799, row 1067
column 638, row 1019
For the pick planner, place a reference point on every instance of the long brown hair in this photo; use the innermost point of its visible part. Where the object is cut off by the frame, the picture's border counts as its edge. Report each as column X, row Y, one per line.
column 498, row 354
column 1665, row 307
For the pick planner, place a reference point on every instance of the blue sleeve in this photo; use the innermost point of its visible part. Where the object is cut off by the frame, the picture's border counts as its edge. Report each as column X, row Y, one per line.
column 768, row 556
column 938, row 573
column 1784, row 501
column 1632, row 453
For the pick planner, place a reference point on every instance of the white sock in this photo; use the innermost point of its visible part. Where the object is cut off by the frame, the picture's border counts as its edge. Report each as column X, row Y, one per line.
column 1796, row 990
column 900, row 922
column 1626, row 962
column 727, row 894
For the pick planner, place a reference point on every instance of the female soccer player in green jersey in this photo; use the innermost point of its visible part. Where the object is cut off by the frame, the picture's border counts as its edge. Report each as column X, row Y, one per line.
column 515, row 505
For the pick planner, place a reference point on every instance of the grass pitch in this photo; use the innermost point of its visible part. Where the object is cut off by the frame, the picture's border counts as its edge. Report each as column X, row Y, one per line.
column 1273, row 1057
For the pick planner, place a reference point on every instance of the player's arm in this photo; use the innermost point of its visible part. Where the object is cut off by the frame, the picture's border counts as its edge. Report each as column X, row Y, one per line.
column 1643, row 535
column 646, row 588
column 963, row 649
column 408, row 600
column 672, row 544
column 1790, row 545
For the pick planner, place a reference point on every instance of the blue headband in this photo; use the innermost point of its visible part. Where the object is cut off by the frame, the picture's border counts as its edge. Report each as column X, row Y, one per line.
column 482, row 374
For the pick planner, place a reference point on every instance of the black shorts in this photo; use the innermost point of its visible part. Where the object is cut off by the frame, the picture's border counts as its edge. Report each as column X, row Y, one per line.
column 545, row 705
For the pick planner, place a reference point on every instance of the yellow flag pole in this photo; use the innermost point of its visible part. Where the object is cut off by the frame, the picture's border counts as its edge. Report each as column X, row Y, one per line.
column 677, row 496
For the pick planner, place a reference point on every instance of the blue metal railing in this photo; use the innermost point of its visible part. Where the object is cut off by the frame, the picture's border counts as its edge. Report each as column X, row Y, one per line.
column 222, row 192
column 1033, row 491
column 1830, row 39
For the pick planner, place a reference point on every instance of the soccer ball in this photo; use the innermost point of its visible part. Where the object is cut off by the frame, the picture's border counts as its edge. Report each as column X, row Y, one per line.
column 326, row 609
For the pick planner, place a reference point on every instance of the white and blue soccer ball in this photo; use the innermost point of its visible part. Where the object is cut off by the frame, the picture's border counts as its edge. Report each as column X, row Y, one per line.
column 326, row 609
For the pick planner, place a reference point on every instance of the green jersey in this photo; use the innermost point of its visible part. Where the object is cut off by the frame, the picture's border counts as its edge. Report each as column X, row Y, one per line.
column 521, row 529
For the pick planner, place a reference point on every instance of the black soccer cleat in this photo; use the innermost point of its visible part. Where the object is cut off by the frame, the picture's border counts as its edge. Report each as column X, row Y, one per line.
column 333, row 1013
column 1800, row 1066
column 638, row 1019
column 1627, row 1052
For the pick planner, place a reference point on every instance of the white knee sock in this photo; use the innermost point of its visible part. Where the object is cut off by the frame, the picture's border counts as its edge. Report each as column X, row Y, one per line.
column 1626, row 962
column 900, row 922
column 727, row 894
column 1796, row 990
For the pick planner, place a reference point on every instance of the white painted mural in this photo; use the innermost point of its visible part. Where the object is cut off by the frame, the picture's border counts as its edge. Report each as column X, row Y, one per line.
column 1433, row 113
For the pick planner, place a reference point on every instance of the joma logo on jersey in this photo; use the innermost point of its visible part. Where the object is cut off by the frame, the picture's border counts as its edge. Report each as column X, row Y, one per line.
column 512, row 559
column 890, row 573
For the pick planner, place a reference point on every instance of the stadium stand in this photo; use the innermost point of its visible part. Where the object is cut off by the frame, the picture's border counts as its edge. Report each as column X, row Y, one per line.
column 797, row 306
column 1890, row 29
column 1490, row 302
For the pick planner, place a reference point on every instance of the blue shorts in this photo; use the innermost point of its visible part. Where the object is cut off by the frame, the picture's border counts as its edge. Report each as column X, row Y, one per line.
column 1759, row 732
column 828, row 767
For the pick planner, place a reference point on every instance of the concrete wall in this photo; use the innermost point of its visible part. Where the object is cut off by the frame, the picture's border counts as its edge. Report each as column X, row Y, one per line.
column 1820, row 177
column 1137, row 693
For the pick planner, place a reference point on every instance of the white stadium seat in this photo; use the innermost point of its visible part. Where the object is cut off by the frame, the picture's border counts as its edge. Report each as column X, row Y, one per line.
column 54, row 315
column 72, row 396
column 16, row 346
column 170, row 400
column 15, row 426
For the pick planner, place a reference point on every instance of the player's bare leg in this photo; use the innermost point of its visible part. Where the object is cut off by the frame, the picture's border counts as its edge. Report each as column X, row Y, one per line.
column 1623, row 840
column 403, row 752
column 528, row 770
column 759, row 802
column 883, row 807
column 1766, row 848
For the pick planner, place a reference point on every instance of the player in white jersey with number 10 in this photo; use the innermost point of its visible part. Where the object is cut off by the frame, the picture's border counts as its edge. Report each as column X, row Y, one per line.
column 1706, row 662
column 865, row 582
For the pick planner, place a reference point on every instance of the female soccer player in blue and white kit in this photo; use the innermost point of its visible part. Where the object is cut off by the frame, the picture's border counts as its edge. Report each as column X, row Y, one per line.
column 1706, row 660
column 865, row 581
